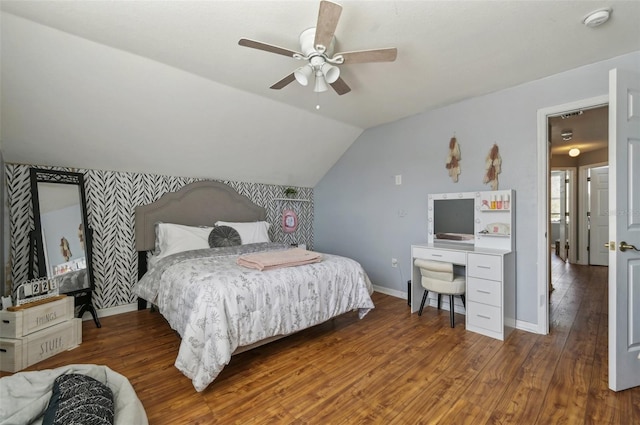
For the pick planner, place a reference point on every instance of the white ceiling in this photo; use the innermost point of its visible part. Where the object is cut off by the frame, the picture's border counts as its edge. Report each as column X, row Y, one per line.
column 447, row 51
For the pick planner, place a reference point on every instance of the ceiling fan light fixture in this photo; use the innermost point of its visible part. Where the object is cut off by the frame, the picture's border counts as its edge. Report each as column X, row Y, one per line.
column 321, row 84
column 331, row 73
column 566, row 135
column 317, row 47
column 303, row 74
column 574, row 152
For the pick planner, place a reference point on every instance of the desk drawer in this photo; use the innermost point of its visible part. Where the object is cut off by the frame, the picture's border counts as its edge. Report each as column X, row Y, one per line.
column 484, row 316
column 484, row 291
column 485, row 266
column 454, row 257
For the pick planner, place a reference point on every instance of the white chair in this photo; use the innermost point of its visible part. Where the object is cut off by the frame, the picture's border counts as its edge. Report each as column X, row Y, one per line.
column 438, row 276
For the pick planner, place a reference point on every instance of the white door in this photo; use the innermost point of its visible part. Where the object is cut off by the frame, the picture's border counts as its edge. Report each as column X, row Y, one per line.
column 599, row 216
column 624, row 226
column 562, row 235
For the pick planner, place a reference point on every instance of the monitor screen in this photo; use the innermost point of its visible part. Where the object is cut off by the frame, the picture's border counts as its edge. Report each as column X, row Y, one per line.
column 453, row 217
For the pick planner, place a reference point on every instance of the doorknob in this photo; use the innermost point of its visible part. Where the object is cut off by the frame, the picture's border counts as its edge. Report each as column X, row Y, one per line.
column 625, row 246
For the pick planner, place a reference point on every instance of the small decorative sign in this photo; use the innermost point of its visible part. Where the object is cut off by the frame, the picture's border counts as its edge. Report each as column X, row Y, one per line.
column 36, row 290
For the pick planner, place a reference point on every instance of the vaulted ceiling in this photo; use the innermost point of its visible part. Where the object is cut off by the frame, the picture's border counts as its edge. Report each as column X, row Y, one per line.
column 164, row 87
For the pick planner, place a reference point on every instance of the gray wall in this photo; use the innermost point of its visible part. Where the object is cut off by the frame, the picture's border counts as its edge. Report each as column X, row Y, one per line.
column 361, row 213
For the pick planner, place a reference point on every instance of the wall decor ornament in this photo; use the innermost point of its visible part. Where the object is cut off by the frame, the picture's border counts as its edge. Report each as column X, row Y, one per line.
column 289, row 221
column 290, row 192
column 453, row 159
column 64, row 249
column 493, row 167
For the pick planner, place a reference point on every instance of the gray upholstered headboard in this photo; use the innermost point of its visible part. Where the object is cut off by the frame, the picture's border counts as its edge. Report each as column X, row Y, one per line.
column 197, row 204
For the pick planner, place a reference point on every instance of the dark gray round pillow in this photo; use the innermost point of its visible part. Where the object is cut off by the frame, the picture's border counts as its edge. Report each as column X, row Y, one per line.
column 224, row 236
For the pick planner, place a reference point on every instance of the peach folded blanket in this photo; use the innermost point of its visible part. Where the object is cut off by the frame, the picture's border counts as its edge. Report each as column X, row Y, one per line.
column 276, row 259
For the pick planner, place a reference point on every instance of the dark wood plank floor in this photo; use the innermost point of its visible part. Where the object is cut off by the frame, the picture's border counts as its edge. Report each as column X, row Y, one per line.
column 389, row 368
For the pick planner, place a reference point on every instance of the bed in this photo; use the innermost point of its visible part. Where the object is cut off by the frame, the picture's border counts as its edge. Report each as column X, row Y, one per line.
column 219, row 307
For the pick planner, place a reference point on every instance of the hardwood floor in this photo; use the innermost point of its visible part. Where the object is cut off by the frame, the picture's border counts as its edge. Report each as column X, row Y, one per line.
column 389, row 368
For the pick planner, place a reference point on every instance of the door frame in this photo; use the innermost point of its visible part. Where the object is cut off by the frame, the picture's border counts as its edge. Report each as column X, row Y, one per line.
column 544, row 167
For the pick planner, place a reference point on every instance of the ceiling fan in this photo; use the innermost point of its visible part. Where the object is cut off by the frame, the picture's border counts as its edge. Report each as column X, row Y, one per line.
column 317, row 46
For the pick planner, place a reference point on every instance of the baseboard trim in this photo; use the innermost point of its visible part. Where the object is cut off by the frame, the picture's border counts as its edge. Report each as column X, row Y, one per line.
column 520, row 324
column 527, row 326
column 392, row 292
column 112, row 311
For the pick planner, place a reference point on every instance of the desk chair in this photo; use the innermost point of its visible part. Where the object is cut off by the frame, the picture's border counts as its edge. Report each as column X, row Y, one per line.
column 437, row 276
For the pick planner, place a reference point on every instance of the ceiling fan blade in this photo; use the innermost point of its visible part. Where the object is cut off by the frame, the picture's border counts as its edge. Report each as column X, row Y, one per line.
column 341, row 87
column 267, row 47
column 284, row 82
column 375, row 55
column 328, row 17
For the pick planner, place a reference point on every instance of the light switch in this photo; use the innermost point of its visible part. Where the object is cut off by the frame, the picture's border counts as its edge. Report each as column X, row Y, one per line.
column 398, row 179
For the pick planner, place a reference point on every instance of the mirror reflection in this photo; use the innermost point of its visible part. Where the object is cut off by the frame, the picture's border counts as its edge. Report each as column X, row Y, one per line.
column 60, row 244
column 63, row 235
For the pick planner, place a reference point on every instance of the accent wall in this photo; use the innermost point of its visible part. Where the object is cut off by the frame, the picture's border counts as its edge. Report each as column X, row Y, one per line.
column 111, row 200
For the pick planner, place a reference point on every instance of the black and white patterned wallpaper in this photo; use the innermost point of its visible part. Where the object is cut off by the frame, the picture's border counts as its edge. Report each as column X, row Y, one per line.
column 111, row 199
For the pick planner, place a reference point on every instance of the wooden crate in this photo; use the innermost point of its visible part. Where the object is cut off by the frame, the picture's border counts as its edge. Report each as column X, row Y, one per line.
column 19, row 353
column 16, row 324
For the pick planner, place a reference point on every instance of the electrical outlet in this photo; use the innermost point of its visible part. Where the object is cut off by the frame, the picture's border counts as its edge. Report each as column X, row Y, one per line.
column 394, row 262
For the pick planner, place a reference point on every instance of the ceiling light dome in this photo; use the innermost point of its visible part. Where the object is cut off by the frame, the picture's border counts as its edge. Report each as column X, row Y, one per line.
column 574, row 152
column 597, row 17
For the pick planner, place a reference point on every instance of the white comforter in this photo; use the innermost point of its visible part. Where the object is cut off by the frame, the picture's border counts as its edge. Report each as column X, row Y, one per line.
column 217, row 306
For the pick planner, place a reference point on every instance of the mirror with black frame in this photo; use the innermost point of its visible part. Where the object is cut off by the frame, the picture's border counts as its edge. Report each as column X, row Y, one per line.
column 61, row 241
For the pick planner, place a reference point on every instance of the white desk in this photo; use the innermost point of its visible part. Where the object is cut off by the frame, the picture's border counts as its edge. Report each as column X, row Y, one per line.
column 490, row 284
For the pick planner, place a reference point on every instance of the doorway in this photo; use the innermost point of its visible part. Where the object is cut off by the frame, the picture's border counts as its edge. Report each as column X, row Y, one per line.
column 562, row 135
column 578, row 139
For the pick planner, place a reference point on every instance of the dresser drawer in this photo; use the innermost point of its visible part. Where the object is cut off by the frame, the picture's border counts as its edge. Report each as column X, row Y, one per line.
column 454, row 257
column 485, row 266
column 484, row 291
column 484, row 316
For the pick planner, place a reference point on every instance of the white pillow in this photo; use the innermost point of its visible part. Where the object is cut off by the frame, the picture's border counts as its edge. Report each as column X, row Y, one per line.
column 174, row 238
column 252, row 232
